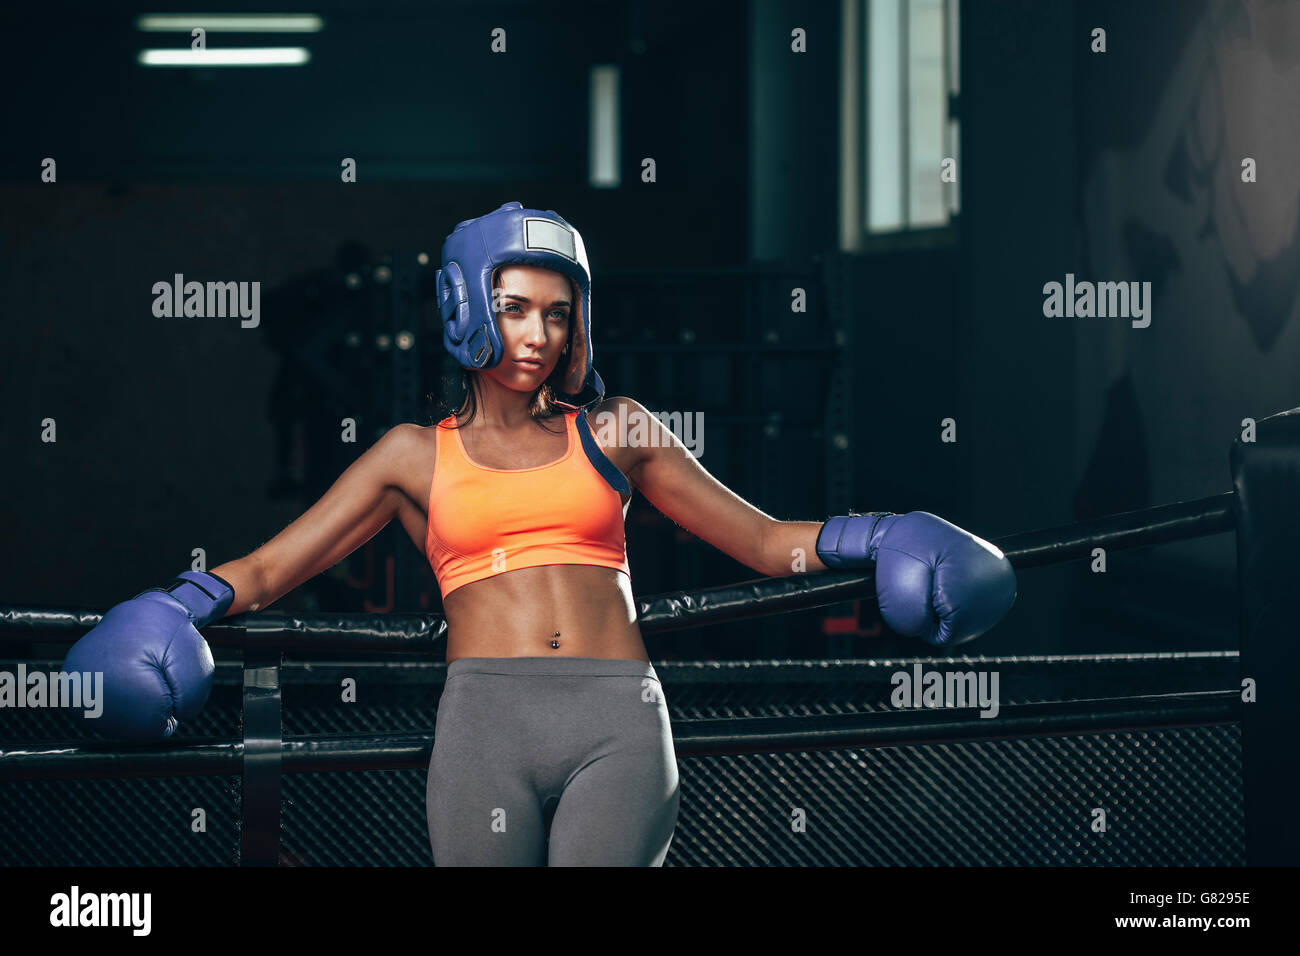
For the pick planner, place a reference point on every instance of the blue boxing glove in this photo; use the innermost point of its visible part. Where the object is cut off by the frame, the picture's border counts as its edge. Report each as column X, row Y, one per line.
column 157, row 668
column 933, row 580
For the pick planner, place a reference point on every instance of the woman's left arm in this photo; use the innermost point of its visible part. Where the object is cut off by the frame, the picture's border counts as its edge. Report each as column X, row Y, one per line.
column 933, row 580
column 674, row 481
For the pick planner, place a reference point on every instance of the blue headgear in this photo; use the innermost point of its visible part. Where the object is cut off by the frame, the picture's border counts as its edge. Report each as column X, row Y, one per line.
column 513, row 234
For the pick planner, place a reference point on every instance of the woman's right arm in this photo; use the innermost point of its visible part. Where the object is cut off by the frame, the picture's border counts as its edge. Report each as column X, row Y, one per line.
column 357, row 506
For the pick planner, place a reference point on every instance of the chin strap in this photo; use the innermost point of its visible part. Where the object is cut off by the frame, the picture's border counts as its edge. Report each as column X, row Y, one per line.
column 593, row 391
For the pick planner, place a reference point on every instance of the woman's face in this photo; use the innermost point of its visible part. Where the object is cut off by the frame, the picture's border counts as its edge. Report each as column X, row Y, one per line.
column 533, row 307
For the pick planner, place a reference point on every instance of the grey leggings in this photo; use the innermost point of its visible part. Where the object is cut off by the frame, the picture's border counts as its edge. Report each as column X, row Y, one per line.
column 520, row 737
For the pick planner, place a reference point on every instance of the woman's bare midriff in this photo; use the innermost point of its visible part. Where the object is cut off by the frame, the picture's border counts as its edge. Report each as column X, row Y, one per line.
column 586, row 610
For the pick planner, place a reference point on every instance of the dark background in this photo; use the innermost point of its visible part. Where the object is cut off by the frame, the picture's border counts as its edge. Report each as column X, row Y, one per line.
column 183, row 434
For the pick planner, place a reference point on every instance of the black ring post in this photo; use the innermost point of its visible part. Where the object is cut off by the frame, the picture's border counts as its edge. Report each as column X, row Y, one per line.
column 1266, row 476
column 263, row 744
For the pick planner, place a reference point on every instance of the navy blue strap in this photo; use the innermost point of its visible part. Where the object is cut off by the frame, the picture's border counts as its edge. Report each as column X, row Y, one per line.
column 204, row 595
column 845, row 540
column 613, row 477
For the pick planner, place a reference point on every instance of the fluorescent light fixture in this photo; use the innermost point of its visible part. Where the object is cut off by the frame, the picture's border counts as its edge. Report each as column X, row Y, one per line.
column 230, row 22
column 603, row 137
column 248, row 56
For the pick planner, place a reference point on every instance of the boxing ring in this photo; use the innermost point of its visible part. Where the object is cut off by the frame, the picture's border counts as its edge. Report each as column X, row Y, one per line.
column 1186, row 754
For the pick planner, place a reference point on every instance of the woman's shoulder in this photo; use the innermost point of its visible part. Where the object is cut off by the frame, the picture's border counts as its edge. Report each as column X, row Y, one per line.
column 411, row 432
column 614, row 405
column 409, row 441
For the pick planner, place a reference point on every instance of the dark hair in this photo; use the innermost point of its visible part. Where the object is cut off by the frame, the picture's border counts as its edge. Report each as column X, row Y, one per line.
column 463, row 396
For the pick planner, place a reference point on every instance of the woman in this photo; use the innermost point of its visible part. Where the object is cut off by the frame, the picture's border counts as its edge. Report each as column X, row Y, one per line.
column 551, row 707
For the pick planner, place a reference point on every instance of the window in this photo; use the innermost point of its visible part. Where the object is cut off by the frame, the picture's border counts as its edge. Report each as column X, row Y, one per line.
column 911, row 77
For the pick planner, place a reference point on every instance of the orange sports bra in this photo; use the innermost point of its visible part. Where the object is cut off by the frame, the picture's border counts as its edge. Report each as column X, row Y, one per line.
column 486, row 521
